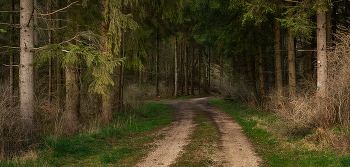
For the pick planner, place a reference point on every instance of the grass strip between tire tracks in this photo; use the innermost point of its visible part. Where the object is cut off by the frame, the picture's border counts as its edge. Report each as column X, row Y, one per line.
column 203, row 144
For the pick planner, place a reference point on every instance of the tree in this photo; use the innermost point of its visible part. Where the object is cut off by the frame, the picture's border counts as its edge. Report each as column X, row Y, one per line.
column 72, row 107
column 321, row 51
column 291, row 58
column 279, row 81
column 26, row 70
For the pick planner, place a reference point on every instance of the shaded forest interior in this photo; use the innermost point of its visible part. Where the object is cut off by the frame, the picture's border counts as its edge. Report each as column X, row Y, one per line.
column 67, row 66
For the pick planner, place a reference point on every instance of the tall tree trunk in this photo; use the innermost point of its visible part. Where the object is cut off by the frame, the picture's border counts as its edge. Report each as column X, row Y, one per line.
column 192, row 67
column 208, row 69
column 59, row 81
column 157, row 64
column 291, row 60
column 72, row 113
column 204, row 73
column 279, row 79
column 321, row 52
column 199, row 69
column 49, row 6
column 72, row 108
column 107, row 113
column 185, row 63
column 26, row 70
column 251, row 75
column 329, row 27
column 176, row 71
column 181, row 74
column 12, row 41
column 261, row 74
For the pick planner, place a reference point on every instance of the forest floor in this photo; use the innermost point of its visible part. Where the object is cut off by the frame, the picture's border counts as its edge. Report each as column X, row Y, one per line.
column 201, row 135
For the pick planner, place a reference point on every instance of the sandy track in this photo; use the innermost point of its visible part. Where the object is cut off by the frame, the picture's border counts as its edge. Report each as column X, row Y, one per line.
column 176, row 137
column 236, row 148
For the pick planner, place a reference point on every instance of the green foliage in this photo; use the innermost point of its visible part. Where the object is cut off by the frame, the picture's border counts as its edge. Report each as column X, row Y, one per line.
column 100, row 65
column 2, row 31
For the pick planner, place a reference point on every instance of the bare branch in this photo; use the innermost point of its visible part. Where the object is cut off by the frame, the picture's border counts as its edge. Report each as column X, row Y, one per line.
column 59, row 9
column 9, row 11
column 48, row 29
column 9, row 65
column 11, row 47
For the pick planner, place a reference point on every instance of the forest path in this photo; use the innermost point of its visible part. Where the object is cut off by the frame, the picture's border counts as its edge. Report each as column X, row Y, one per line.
column 235, row 148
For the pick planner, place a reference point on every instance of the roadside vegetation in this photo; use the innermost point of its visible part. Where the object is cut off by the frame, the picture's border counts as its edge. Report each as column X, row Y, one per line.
column 286, row 143
column 122, row 143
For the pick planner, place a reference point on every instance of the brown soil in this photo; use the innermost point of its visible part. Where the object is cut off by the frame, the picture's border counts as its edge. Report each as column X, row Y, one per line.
column 236, row 148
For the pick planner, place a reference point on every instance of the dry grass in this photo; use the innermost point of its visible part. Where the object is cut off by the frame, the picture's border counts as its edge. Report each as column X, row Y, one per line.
column 237, row 89
column 10, row 132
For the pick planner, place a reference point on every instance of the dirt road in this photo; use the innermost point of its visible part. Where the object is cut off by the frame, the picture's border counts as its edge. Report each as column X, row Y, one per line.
column 236, row 150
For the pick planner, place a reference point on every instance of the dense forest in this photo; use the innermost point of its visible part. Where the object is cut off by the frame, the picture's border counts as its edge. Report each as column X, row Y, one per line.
column 66, row 64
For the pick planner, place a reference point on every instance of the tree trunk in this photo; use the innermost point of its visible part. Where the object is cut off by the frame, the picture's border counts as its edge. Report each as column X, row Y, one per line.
column 72, row 108
column 329, row 27
column 185, row 63
column 261, row 74
column 192, row 67
column 181, row 74
column 199, row 69
column 279, row 79
column 12, row 41
column 208, row 69
column 176, row 71
column 291, row 61
column 251, row 75
column 26, row 74
column 204, row 73
column 157, row 64
column 59, row 81
column 50, row 42
column 72, row 113
column 321, row 52
column 107, row 113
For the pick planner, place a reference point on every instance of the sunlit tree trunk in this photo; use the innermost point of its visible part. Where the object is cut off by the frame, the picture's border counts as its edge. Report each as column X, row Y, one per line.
column 321, row 51
column 279, row 81
column 26, row 75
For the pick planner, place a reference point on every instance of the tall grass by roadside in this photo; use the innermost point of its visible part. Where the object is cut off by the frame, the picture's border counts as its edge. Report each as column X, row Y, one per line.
column 287, row 143
column 118, row 144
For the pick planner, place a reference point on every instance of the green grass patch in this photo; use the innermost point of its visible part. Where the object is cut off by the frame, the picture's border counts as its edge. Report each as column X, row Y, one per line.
column 204, row 143
column 277, row 142
column 115, row 145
